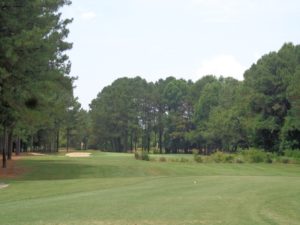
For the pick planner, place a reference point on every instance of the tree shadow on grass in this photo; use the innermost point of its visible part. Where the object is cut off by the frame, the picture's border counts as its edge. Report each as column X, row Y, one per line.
column 64, row 169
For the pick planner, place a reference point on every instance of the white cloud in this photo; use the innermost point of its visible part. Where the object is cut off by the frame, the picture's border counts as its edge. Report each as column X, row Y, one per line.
column 225, row 65
column 88, row 15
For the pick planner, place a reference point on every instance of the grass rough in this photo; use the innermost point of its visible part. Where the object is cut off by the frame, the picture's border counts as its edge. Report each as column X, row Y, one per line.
column 117, row 189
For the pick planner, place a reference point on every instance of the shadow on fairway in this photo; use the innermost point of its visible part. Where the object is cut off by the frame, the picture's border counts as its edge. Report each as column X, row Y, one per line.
column 63, row 169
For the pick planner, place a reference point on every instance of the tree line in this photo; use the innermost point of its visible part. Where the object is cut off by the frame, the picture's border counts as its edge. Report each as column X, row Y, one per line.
column 37, row 106
column 175, row 115
column 39, row 112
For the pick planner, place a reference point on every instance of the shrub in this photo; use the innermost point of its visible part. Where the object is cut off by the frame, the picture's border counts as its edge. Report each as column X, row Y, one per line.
column 218, row 157
column 141, row 155
column 174, row 159
column 239, row 160
column 268, row 158
column 145, row 156
column 136, row 155
column 292, row 153
column 162, row 159
column 195, row 151
column 154, row 151
column 198, row 158
column 285, row 160
column 254, row 156
column 182, row 159
column 229, row 158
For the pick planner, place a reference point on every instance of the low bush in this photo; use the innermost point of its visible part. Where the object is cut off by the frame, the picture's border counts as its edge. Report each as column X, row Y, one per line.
column 141, row 155
column 174, row 159
column 229, row 158
column 239, row 160
column 269, row 157
column 285, row 160
column 198, row 158
column 155, row 151
column 182, row 159
column 145, row 156
column 136, row 155
column 218, row 157
column 292, row 153
column 195, row 151
column 162, row 159
column 254, row 155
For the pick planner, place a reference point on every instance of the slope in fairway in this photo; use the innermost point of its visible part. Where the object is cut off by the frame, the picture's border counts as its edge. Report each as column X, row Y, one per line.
column 117, row 189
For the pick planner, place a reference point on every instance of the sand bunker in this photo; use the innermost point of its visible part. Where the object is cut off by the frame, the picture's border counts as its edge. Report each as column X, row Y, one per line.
column 2, row 185
column 36, row 154
column 79, row 154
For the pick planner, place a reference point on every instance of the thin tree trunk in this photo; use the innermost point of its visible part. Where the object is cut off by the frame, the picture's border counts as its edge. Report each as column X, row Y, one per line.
column 148, row 142
column 57, row 140
column 155, row 140
column 125, row 148
column 131, row 142
column 119, row 144
column 9, row 144
column 4, row 147
column 160, row 140
column 68, row 134
column 31, row 143
column 18, row 146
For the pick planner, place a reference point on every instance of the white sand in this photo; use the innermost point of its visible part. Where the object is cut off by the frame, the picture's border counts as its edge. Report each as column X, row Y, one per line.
column 36, row 154
column 2, row 185
column 79, row 154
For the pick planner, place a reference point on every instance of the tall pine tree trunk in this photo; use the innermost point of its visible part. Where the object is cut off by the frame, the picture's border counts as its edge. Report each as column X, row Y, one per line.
column 4, row 147
column 131, row 142
column 68, row 139
column 160, row 140
column 18, row 146
column 148, row 141
column 9, row 144
column 31, row 143
column 57, row 140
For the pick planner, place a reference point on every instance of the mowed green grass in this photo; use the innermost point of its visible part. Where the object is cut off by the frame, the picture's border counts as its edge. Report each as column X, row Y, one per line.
column 116, row 189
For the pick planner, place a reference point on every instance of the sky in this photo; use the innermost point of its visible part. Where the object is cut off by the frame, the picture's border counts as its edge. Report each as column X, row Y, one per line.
column 186, row 39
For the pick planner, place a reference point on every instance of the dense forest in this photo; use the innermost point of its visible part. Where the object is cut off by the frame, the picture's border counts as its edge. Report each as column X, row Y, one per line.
column 38, row 111
column 175, row 115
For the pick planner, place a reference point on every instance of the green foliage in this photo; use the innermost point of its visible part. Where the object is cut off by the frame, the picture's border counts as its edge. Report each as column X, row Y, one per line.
column 195, row 151
column 239, row 160
column 162, row 159
column 285, row 160
column 218, row 157
column 35, row 89
column 184, row 160
column 229, row 158
column 292, row 153
column 254, row 156
column 269, row 157
column 270, row 81
column 142, row 155
column 174, row 115
column 198, row 158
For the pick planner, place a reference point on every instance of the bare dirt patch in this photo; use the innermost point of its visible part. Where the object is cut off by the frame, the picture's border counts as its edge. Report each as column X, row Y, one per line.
column 79, row 154
column 13, row 169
